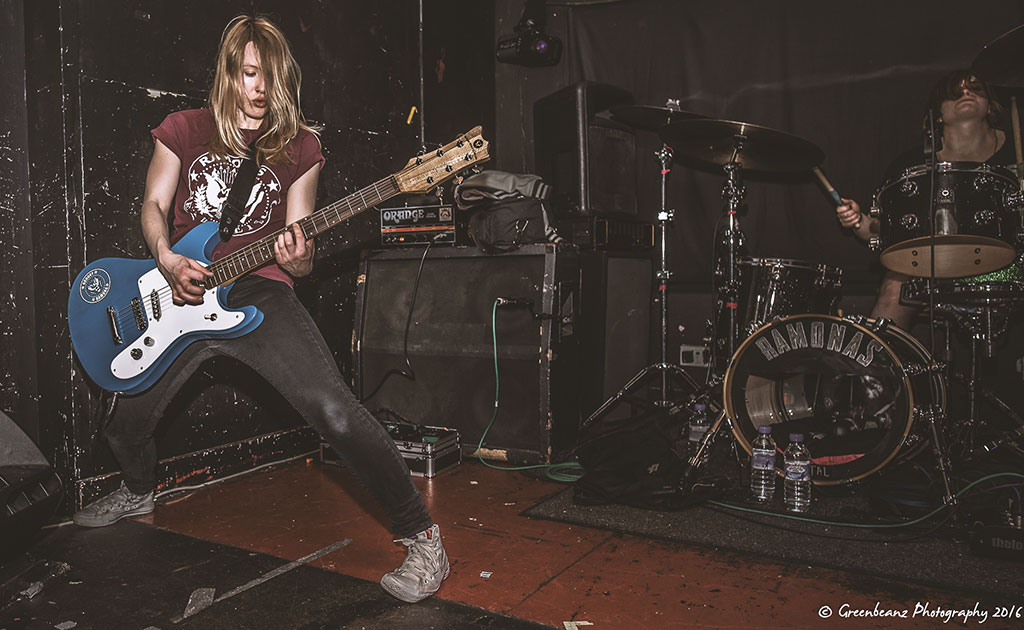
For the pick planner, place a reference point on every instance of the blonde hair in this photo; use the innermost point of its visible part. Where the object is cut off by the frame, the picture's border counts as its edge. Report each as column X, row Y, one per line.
column 282, row 79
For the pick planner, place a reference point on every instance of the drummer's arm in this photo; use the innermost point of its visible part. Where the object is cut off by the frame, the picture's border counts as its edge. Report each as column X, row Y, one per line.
column 850, row 217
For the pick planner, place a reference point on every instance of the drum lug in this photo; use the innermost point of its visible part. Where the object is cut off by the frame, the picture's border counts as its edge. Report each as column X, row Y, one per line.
column 984, row 217
column 874, row 243
column 874, row 212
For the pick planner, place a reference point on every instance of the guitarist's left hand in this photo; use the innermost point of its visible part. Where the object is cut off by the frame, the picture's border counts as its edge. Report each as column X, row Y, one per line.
column 294, row 252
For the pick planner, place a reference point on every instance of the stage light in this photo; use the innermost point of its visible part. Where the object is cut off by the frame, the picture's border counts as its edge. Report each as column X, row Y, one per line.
column 529, row 45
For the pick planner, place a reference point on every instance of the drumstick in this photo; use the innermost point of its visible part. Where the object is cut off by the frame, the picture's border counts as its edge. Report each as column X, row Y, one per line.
column 833, row 195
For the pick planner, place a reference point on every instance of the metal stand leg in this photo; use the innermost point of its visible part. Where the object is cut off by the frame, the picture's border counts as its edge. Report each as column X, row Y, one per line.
column 664, row 371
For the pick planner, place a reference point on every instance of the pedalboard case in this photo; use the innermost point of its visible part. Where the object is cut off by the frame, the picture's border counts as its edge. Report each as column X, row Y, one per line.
column 427, row 451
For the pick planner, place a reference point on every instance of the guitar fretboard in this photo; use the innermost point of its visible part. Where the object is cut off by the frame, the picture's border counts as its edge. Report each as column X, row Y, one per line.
column 261, row 252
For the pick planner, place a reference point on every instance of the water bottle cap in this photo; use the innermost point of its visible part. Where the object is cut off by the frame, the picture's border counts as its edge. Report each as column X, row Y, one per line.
column 764, row 429
column 796, row 437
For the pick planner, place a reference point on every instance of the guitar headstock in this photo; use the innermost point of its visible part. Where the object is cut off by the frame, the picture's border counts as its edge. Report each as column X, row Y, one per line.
column 423, row 173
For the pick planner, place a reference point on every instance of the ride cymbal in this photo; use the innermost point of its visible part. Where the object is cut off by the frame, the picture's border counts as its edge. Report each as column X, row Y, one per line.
column 1000, row 61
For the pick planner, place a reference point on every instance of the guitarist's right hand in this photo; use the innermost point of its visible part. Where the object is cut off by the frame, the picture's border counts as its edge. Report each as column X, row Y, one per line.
column 185, row 277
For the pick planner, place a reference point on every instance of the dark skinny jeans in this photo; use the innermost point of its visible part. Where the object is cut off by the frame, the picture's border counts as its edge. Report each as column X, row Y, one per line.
column 289, row 352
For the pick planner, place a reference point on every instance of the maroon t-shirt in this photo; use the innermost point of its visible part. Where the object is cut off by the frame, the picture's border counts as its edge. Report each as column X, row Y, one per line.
column 205, row 181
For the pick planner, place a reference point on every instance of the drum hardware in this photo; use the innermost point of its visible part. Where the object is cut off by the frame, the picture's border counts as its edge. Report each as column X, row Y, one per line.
column 916, row 369
column 642, row 117
column 734, row 147
column 932, row 416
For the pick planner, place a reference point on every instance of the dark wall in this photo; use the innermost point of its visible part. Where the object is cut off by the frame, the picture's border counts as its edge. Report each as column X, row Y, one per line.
column 850, row 77
column 18, row 385
column 98, row 76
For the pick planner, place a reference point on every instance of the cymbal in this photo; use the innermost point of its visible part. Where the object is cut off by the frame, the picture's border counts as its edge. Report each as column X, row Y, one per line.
column 999, row 62
column 649, row 117
column 713, row 141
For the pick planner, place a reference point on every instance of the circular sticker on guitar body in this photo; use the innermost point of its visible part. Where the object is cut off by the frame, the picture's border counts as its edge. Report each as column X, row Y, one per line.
column 94, row 286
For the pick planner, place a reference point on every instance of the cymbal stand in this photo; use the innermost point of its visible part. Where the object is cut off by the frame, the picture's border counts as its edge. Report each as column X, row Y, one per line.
column 734, row 242
column 985, row 325
column 732, row 238
column 664, row 370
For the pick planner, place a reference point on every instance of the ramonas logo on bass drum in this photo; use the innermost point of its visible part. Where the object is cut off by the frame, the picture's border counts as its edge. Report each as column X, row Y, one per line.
column 209, row 182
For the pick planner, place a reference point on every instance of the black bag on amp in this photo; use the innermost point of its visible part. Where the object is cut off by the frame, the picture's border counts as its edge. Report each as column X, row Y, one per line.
column 451, row 350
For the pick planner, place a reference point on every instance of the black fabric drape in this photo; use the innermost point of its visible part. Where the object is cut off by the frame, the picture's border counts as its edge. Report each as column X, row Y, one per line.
column 851, row 77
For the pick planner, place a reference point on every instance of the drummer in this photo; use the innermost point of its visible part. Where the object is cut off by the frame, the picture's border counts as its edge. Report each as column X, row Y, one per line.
column 966, row 118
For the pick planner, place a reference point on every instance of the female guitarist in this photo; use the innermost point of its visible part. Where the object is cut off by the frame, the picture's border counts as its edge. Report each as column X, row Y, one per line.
column 254, row 103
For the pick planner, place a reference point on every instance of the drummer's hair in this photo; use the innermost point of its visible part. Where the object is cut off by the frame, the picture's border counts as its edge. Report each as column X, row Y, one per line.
column 951, row 86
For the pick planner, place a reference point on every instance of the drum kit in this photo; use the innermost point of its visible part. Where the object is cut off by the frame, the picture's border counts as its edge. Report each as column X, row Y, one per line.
column 866, row 392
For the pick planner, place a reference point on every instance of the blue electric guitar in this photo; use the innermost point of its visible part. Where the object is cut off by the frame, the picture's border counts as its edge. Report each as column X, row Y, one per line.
column 126, row 330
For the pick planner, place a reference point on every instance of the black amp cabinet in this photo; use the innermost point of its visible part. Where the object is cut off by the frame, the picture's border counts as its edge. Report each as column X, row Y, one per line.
column 589, row 160
column 451, row 350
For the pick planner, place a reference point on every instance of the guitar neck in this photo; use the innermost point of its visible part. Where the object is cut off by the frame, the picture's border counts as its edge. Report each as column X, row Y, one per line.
column 256, row 254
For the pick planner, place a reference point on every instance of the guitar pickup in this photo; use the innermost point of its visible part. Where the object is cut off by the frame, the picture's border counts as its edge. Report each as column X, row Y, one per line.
column 140, row 313
column 115, row 332
column 154, row 304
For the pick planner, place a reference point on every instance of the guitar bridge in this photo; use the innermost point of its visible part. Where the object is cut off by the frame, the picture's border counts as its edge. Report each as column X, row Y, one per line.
column 115, row 333
column 140, row 313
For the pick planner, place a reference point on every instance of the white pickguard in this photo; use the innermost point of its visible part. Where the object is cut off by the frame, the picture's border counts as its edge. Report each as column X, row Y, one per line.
column 175, row 321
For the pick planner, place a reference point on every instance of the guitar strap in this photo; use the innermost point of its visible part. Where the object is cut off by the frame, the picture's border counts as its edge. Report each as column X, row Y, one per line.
column 233, row 209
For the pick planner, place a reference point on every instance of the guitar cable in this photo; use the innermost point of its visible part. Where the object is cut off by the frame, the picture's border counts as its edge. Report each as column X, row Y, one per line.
column 408, row 373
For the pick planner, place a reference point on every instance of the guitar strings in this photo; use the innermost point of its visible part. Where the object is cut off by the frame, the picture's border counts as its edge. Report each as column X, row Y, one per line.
column 262, row 247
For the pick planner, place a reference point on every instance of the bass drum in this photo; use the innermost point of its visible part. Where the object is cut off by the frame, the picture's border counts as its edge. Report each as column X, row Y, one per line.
column 853, row 386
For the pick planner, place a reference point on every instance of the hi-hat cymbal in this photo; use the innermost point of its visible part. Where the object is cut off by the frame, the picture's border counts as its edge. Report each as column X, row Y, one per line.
column 1000, row 61
column 649, row 117
column 713, row 142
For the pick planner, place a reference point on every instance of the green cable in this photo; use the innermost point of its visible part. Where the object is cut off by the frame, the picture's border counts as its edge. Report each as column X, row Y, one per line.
column 740, row 508
column 567, row 472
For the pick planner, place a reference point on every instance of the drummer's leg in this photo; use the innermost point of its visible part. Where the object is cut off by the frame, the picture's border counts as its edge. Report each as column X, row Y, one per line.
column 888, row 305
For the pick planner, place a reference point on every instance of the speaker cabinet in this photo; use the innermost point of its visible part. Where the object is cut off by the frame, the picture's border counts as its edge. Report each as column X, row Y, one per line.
column 30, row 491
column 589, row 161
column 614, row 321
column 450, row 347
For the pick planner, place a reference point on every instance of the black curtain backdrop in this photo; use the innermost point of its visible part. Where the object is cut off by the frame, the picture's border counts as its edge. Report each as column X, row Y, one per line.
column 851, row 77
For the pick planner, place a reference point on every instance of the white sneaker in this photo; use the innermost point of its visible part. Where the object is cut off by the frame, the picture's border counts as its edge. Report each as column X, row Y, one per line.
column 113, row 507
column 425, row 567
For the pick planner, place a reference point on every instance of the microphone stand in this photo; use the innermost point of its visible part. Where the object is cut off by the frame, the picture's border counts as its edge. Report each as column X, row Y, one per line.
column 935, row 413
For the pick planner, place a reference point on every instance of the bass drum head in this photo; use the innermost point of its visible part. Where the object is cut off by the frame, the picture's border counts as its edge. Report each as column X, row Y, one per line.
column 849, row 386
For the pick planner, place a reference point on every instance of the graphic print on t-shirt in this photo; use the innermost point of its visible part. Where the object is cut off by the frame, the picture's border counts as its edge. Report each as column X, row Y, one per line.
column 209, row 182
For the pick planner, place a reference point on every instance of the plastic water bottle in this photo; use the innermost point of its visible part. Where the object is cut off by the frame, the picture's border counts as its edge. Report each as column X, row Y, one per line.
column 699, row 425
column 762, row 466
column 798, row 474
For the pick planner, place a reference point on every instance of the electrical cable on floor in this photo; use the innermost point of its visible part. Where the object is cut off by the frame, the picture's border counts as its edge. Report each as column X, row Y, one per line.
column 566, row 472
